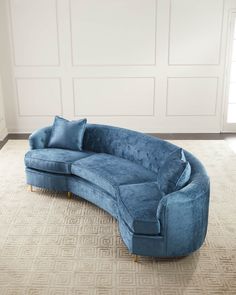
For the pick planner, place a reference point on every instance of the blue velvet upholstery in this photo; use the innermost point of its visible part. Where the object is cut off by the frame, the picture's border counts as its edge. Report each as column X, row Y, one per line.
column 138, row 207
column 177, row 154
column 47, row 180
column 142, row 149
column 53, row 160
column 39, row 138
column 67, row 134
column 124, row 181
column 76, row 185
column 108, row 172
column 174, row 173
column 186, row 232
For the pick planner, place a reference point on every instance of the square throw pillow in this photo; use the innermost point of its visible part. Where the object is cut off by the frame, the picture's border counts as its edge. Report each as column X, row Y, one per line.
column 67, row 134
column 174, row 173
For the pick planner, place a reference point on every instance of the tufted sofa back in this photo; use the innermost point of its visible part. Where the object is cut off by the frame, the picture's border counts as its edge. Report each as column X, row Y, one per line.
column 142, row 149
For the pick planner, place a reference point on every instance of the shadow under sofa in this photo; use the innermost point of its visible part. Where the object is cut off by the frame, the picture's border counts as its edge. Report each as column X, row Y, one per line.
column 117, row 171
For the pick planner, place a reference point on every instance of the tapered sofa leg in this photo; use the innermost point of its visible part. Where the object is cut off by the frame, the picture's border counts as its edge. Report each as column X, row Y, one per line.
column 69, row 194
column 135, row 258
column 30, row 188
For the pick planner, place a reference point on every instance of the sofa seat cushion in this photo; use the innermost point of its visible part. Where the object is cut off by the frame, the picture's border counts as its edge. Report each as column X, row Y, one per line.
column 138, row 207
column 53, row 160
column 108, row 172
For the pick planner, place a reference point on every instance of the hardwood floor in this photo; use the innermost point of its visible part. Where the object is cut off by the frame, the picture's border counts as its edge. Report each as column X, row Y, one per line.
column 3, row 142
column 195, row 136
column 13, row 136
column 230, row 138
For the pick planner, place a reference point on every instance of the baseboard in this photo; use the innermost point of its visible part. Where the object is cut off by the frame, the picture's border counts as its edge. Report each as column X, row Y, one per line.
column 18, row 135
column 194, row 136
column 15, row 136
column 167, row 136
column 4, row 136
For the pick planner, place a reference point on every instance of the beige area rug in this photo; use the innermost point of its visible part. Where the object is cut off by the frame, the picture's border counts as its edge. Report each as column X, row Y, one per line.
column 50, row 244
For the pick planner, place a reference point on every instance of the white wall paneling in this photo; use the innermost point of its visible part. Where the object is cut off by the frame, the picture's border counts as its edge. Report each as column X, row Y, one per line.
column 195, row 32
column 1, row 104
column 35, row 32
column 3, row 129
column 111, row 32
column 114, row 97
column 191, row 96
column 149, row 65
column 39, row 96
column 229, row 77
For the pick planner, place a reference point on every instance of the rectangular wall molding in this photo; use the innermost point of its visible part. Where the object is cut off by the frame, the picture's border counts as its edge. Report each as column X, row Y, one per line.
column 117, row 97
column 39, row 97
column 195, row 32
column 191, row 96
column 34, row 30
column 109, row 32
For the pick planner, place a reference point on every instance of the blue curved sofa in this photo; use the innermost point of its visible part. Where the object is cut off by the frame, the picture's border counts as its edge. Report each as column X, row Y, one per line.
column 117, row 170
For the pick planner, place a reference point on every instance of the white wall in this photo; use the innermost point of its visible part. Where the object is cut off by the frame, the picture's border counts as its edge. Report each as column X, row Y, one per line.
column 3, row 129
column 151, row 65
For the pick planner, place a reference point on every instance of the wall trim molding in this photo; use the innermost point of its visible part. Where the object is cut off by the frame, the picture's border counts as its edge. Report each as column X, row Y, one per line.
column 192, row 77
column 111, row 115
column 38, row 78
column 13, row 43
column 189, row 65
column 114, row 65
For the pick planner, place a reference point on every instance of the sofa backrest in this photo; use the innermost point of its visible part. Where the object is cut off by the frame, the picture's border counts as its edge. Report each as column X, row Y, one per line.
column 140, row 148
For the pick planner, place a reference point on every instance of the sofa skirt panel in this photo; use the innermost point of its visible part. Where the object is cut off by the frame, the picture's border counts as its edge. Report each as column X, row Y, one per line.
column 74, row 184
column 47, row 180
column 93, row 194
column 145, row 245
column 153, row 245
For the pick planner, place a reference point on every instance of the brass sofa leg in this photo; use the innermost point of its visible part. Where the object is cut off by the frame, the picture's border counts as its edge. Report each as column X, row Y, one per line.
column 30, row 188
column 135, row 258
column 69, row 194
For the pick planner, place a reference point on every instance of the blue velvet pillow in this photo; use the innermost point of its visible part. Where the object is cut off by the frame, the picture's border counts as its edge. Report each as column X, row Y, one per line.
column 174, row 173
column 67, row 134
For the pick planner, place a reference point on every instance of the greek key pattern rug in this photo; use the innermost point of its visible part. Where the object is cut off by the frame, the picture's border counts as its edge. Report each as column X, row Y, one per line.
column 52, row 245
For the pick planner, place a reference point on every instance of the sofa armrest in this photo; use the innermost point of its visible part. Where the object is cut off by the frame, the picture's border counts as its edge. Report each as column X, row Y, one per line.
column 184, row 217
column 39, row 138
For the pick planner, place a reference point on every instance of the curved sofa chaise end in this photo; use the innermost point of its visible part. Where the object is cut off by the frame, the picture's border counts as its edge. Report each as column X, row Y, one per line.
column 150, row 223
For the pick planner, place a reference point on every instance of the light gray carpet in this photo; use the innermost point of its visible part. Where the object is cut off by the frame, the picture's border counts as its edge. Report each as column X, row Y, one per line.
column 50, row 244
